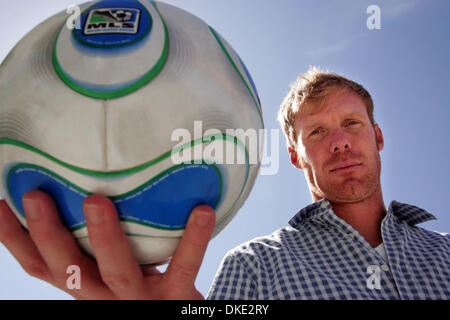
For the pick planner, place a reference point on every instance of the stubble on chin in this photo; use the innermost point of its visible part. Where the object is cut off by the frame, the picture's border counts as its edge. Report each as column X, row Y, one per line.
column 351, row 188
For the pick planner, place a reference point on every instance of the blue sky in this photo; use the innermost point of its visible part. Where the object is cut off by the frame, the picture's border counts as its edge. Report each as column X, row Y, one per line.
column 404, row 65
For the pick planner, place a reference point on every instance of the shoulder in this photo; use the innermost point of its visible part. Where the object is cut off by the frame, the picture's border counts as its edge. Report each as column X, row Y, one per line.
column 271, row 241
column 247, row 268
column 265, row 247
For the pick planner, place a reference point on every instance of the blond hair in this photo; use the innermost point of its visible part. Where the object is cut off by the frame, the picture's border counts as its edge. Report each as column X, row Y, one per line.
column 308, row 93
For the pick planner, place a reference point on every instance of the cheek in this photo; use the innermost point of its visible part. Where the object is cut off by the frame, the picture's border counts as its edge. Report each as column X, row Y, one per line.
column 367, row 143
column 312, row 157
column 318, row 150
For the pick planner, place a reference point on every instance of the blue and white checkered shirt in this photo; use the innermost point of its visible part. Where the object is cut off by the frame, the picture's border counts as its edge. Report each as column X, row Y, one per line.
column 323, row 257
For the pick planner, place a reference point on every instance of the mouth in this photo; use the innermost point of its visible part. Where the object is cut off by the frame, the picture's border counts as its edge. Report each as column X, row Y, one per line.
column 346, row 166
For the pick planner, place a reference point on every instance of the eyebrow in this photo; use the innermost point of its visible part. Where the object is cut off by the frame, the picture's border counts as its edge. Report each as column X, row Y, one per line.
column 353, row 114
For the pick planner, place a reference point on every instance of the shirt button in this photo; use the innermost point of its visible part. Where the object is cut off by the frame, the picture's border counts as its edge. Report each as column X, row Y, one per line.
column 384, row 267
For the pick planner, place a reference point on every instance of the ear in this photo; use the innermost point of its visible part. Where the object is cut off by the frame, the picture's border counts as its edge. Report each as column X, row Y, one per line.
column 379, row 137
column 294, row 158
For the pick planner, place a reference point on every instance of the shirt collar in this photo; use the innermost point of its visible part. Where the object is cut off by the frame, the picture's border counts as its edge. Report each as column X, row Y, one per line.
column 410, row 214
column 407, row 213
column 311, row 211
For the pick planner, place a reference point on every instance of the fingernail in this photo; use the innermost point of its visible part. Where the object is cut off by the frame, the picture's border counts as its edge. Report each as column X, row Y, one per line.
column 32, row 209
column 94, row 213
column 202, row 219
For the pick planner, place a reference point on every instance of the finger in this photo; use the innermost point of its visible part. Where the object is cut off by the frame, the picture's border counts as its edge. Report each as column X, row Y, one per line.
column 118, row 268
column 186, row 262
column 58, row 247
column 17, row 240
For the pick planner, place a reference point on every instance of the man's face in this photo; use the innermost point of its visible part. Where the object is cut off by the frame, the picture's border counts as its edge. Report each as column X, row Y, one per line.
column 338, row 147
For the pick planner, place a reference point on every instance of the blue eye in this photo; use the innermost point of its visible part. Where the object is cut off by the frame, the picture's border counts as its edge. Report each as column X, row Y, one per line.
column 352, row 123
column 316, row 131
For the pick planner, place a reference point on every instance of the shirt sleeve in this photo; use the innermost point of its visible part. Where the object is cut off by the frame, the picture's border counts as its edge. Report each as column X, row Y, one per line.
column 234, row 280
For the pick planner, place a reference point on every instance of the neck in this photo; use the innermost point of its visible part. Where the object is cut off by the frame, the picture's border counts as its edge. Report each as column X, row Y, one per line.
column 364, row 216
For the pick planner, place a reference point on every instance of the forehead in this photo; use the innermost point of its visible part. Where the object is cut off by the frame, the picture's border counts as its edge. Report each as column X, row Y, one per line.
column 335, row 105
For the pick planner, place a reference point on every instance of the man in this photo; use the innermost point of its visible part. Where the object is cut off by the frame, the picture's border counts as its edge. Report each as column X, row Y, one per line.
column 346, row 245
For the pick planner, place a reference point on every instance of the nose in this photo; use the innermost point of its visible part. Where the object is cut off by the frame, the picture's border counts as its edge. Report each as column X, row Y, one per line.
column 340, row 142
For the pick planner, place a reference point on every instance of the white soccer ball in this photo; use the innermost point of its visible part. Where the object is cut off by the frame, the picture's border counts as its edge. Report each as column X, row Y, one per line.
column 139, row 104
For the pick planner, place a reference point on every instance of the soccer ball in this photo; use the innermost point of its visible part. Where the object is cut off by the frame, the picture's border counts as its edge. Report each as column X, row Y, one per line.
column 140, row 101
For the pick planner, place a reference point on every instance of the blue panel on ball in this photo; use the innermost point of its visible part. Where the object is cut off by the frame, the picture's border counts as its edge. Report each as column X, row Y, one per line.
column 114, row 23
column 163, row 202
